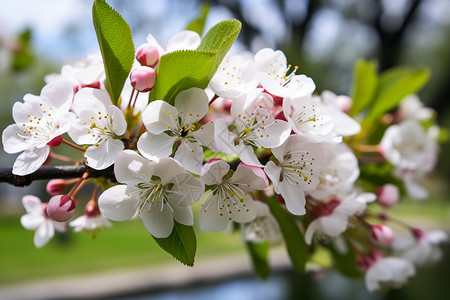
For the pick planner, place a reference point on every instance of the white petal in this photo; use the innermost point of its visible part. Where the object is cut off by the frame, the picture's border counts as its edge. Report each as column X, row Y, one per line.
column 187, row 189
column 247, row 155
column 22, row 110
column 274, row 135
column 131, row 168
column 213, row 171
column 158, row 222
column 12, row 142
column 43, row 234
column 209, row 218
column 102, row 156
column 333, row 225
column 183, row 215
column 190, row 155
column 185, row 39
column 273, row 172
column 251, row 177
column 167, row 168
column 32, row 221
column 344, row 124
column 155, row 145
column 294, row 197
column 160, row 116
column 119, row 125
column 116, row 204
column 192, row 104
column 243, row 212
column 223, row 137
column 91, row 99
column 30, row 160
column 78, row 132
column 58, row 93
column 32, row 203
column 312, row 228
column 205, row 135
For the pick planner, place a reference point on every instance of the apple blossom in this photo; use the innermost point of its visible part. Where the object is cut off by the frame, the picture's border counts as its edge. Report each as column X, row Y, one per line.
column 263, row 228
column 100, row 125
column 159, row 192
column 388, row 272
column 168, row 125
column 92, row 220
column 37, row 219
column 272, row 69
column 254, row 125
column 61, row 208
column 297, row 170
column 229, row 199
column 40, row 122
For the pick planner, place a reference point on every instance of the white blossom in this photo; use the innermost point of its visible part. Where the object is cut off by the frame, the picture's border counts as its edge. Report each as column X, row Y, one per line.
column 388, row 272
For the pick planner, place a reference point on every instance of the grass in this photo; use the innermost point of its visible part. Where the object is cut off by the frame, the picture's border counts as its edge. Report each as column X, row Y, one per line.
column 126, row 245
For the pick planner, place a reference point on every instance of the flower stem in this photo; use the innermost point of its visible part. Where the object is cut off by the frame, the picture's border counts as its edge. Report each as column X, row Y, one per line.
column 73, row 145
column 78, row 185
column 62, row 158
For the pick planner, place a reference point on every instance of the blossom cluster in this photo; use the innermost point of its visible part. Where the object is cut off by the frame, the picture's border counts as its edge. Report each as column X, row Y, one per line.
column 258, row 131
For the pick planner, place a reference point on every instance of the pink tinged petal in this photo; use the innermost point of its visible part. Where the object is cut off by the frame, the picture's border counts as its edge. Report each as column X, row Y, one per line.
column 154, row 146
column 43, row 234
column 90, row 99
column 30, row 160
column 131, row 168
column 117, row 204
column 190, row 155
column 102, row 156
column 312, row 228
column 158, row 220
column 12, row 142
column 294, row 197
column 274, row 135
column 32, row 203
column 183, row 215
column 249, row 178
column 210, row 218
column 183, row 40
column 192, row 104
column 160, row 116
column 31, row 221
column 119, row 125
column 273, row 172
column 152, row 41
column 167, row 168
column 58, row 93
column 213, row 171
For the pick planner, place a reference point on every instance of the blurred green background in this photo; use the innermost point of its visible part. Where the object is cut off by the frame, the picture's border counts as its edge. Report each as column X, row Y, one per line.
column 323, row 37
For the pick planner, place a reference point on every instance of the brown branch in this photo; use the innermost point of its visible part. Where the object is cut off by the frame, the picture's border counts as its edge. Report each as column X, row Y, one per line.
column 52, row 172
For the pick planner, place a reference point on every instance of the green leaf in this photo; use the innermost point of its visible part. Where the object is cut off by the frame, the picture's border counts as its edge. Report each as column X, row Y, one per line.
column 295, row 242
column 180, row 70
column 198, row 24
column 346, row 263
column 365, row 81
column 259, row 253
column 208, row 154
column 395, row 84
column 116, row 44
column 181, row 244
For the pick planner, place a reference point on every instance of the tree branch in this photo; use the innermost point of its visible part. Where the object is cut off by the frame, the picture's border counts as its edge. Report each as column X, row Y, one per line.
column 47, row 172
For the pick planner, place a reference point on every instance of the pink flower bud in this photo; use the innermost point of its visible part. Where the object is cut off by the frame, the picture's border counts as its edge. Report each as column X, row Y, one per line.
column 92, row 209
column 147, row 55
column 418, row 233
column 61, row 208
column 56, row 186
column 55, row 141
column 382, row 235
column 388, row 195
column 143, row 78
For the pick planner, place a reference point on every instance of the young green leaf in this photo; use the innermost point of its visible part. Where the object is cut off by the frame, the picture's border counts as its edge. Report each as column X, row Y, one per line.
column 295, row 242
column 396, row 84
column 181, row 244
column 198, row 23
column 180, row 70
column 365, row 81
column 259, row 253
column 116, row 45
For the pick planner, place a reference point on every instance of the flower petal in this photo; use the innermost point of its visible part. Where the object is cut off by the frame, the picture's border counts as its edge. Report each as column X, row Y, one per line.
column 12, row 142
column 30, row 160
column 213, row 171
column 192, row 104
column 183, row 215
column 32, row 203
column 90, row 99
column 116, row 203
column 58, row 93
column 153, row 146
column 249, row 178
column 131, row 168
column 294, row 197
column 102, row 156
column 44, row 233
column 119, row 125
column 185, row 39
column 190, row 155
column 158, row 220
column 167, row 168
column 210, row 218
column 160, row 116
